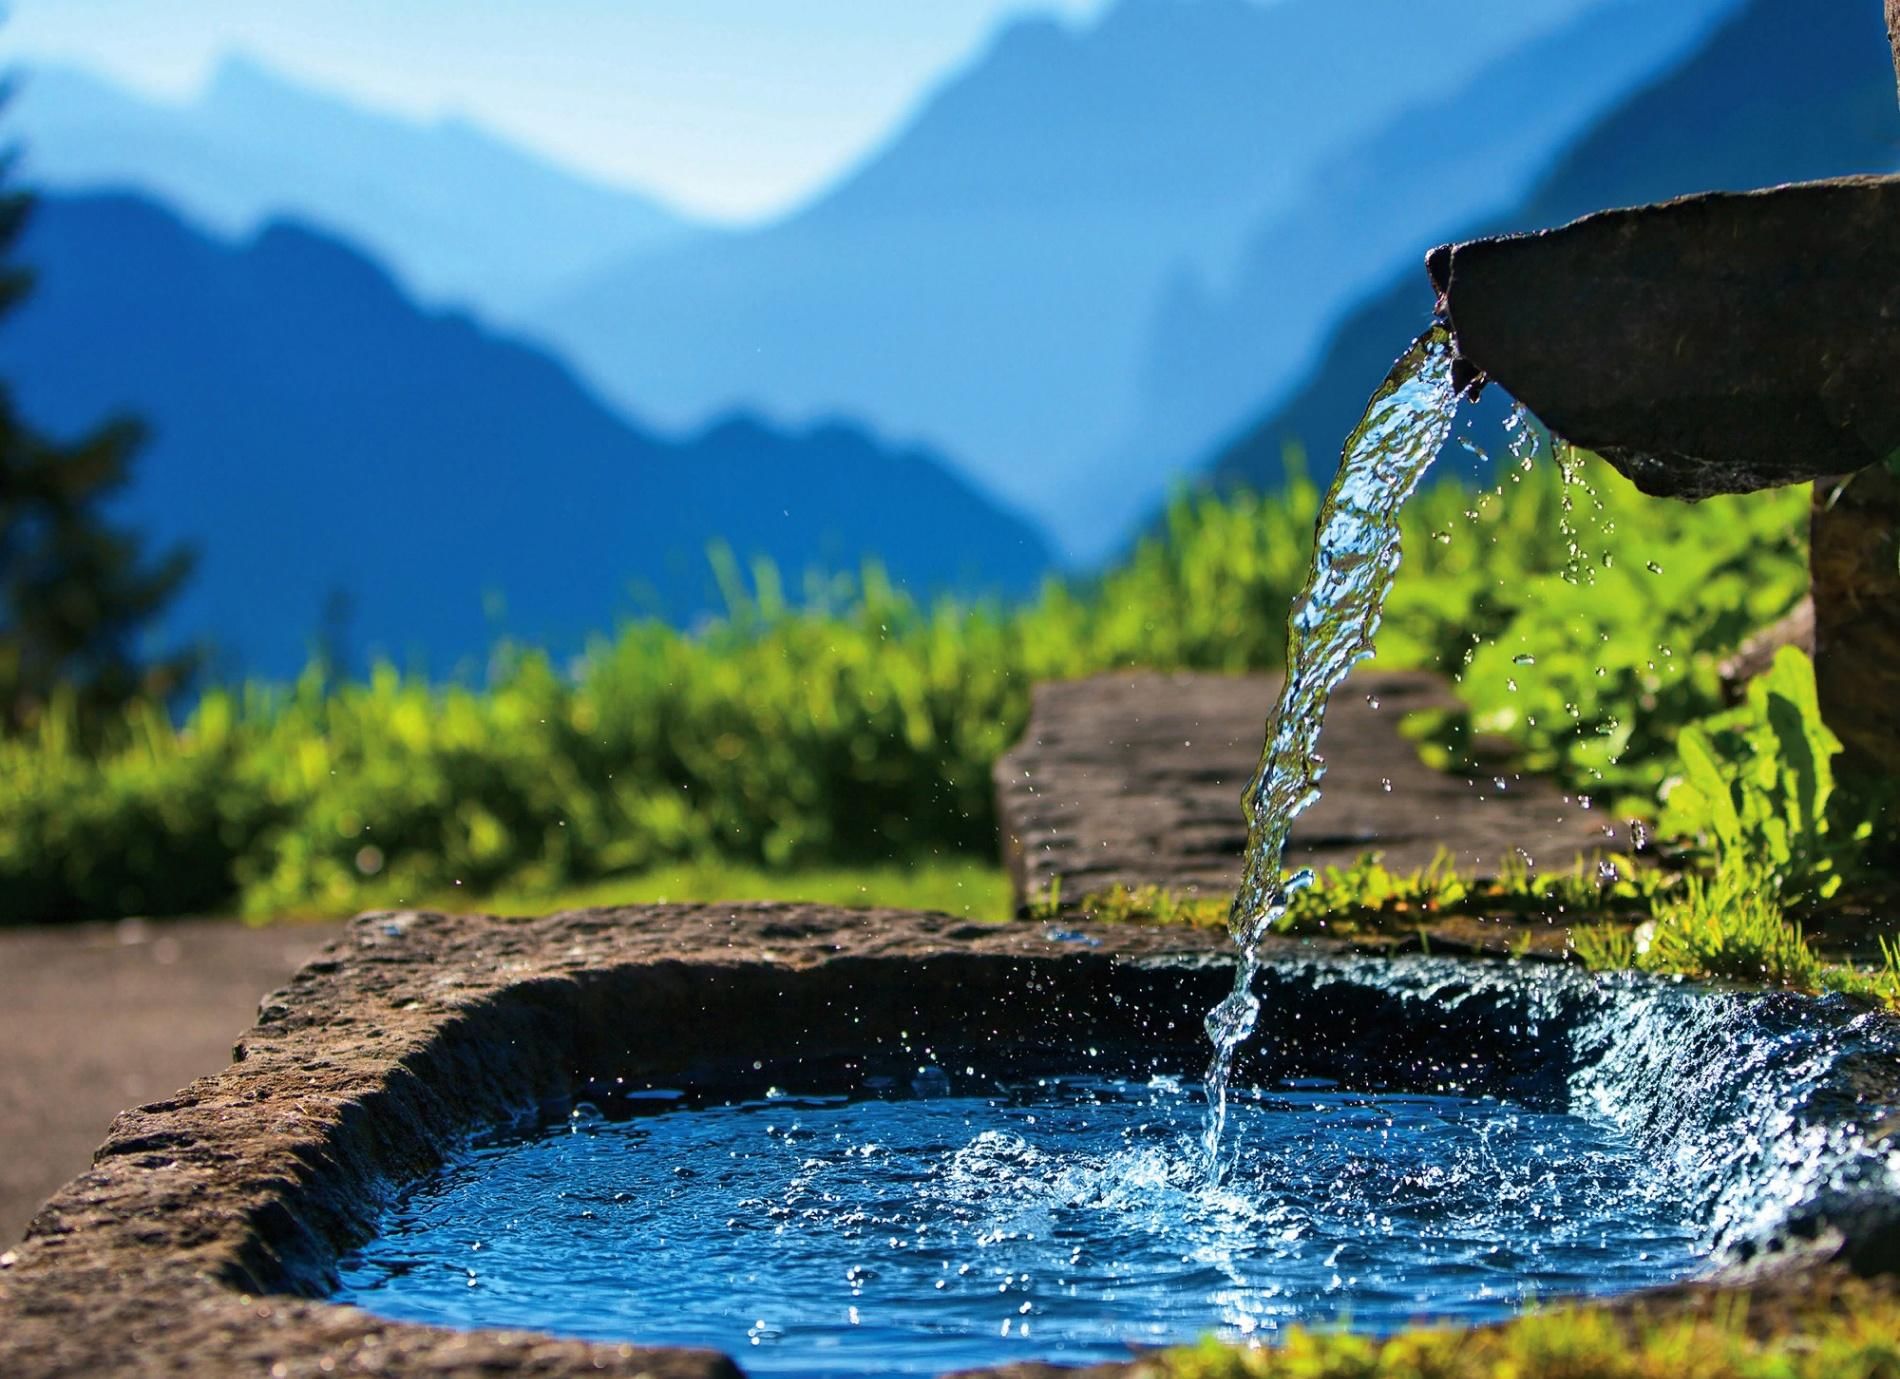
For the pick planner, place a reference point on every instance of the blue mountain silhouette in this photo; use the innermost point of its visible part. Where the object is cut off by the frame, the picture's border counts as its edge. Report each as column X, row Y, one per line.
column 988, row 278
column 459, row 215
column 316, row 434
column 1217, row 349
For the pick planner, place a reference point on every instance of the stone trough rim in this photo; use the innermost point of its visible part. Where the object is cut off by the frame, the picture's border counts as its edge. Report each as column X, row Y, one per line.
column 128, row 1270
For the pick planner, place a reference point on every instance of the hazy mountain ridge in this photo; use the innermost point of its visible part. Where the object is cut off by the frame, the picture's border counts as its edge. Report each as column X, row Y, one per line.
column 315, row 434
column 1785, row 91
column 458, row 214
column 1374, row 212
column 988, row 278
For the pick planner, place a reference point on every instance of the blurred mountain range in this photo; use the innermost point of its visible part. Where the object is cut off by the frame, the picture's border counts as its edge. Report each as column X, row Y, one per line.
column 331, row 449
column 1102, row 258
column 459, row 216
column 991, row 279
column 1785, row 91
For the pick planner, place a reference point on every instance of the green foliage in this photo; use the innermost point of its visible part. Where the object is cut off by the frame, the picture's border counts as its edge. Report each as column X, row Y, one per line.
column 1121, row 904
column 1585, row 621
column 972, row 888
column 1879, row 983
column 1756, row 800
column 1369, row 897
column 1757, row 786
column 856, row 730
column 1728, row 926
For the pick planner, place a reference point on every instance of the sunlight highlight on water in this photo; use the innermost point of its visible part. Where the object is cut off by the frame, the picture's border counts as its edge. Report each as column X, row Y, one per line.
column 1051, row 1218
column 1329, row 631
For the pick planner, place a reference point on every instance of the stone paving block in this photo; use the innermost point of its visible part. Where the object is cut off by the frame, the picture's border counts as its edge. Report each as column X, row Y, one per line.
column 1136, row 779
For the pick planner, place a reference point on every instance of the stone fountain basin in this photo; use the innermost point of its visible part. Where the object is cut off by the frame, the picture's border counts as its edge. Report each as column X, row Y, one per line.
column 207, row 1232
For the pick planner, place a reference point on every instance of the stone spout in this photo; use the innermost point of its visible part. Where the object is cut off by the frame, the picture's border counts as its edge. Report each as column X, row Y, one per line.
column 1717, row 344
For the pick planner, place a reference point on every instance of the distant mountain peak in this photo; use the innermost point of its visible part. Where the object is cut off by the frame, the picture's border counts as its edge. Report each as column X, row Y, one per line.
column 460, row 214
column 315, row 433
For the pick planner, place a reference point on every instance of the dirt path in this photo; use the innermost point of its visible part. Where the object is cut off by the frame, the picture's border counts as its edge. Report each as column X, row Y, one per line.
column 95, row 1018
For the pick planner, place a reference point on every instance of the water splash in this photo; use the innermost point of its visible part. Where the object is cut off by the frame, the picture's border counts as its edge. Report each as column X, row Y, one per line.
column 1047, row 1218
column 1329, row 631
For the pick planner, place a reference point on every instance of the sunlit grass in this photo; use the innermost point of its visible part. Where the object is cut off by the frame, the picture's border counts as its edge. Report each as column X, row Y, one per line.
column 1823, row 1337
column 963, row 886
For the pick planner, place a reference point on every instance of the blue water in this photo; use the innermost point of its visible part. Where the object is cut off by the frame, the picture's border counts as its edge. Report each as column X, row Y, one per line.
column 1055, row 1219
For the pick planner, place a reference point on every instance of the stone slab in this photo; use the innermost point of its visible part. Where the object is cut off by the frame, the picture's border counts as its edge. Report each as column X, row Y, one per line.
column 1719, row 343
column 1136, row 779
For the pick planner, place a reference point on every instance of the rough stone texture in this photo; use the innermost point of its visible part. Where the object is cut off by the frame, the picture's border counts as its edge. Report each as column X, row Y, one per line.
column 1893, row 32
column 1715, row 344
column 1137, row 779
column 97, row 1017
column 1854, row 560
column 210, row 1220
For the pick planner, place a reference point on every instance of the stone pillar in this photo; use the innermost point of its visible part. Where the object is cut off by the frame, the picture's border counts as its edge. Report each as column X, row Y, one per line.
column 1893, row 32
column 1855, row 569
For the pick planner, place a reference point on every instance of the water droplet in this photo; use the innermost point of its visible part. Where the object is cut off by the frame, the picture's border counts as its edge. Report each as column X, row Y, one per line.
column 1652, row 567
column 1526, row 659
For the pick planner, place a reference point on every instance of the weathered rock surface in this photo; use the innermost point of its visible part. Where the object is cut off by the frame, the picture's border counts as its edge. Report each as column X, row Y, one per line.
column 1854, row 562
column 1893, row 32
column 209, row 1221
column 1715, row 344
column 1136, row 779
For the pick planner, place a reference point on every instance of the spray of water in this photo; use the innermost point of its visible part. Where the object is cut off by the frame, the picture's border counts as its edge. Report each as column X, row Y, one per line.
column 1329, row 631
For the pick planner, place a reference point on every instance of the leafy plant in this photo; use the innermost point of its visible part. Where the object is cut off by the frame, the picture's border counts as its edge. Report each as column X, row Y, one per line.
column 1844, row 1331
column 1584, row 622
column 1757, row 786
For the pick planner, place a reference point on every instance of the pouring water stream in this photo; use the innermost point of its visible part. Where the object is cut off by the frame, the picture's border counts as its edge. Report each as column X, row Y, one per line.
column 1329, row 631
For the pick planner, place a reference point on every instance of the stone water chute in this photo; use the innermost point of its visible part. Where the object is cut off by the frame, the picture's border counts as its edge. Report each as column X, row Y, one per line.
column 1726, row 343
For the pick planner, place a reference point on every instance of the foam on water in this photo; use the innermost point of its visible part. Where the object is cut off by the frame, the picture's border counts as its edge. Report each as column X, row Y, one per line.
column 1057, row 1219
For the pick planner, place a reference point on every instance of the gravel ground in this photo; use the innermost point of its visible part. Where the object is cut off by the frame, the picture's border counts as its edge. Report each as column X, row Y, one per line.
column 96, row 1018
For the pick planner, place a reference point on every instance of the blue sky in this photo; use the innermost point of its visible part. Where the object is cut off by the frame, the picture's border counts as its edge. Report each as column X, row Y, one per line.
column 728, row 108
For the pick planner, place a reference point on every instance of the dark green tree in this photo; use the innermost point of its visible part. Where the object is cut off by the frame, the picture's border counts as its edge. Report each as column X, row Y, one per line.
column 75, row 591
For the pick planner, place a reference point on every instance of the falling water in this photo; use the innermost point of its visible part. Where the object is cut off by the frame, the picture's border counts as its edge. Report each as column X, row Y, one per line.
column 1329, row 631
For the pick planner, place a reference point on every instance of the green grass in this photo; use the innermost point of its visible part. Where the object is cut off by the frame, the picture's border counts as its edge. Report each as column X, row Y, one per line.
column 1855, row 1337
column 1368, row 897
column 957, row 886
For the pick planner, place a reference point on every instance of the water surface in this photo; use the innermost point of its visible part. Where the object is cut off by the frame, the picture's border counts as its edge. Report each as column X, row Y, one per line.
column 1055, row 1219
